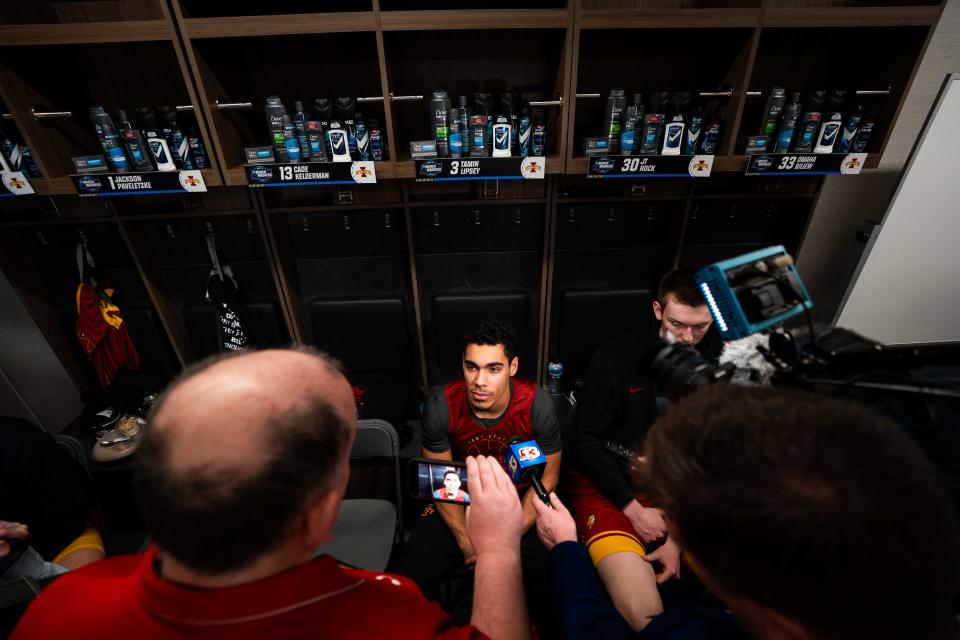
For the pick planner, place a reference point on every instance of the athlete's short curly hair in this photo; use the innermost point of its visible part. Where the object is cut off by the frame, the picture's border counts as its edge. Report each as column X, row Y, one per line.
column 492, row 332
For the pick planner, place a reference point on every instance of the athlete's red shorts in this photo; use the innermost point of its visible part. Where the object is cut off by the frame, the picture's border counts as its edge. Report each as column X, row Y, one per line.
column 603, row 528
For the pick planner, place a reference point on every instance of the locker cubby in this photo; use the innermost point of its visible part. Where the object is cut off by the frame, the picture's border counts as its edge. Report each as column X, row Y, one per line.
column 349, row 285
column 669, row 4
column 863, row 58
column 213, row 201
column 71, row 78
column 296, row 67
column 648, row 60
column 721, row 229
column 179, row 249
column 15, row 12
column 41, row 263
column 476, row 262
column 308, row 198
column 608, row 259
column 421, row 5
column 530, row 61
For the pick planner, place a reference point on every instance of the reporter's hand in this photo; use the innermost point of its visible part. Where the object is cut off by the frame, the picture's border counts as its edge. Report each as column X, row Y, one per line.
column 669, row 556
column 647, row 521
column 554, row 525
column 494, row 517
column 11, row 531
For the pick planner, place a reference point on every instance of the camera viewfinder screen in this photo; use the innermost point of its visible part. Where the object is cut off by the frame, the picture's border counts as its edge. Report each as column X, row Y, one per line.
column 442, row 482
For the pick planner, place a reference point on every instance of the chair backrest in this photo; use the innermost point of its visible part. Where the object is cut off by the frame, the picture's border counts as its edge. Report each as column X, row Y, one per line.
column 377, row 439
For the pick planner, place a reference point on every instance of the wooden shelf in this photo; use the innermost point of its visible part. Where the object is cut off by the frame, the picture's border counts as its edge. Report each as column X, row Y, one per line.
column 279, row 25
column 851, row 17
column 85, row 33
column 474, row 19
column 668, row 18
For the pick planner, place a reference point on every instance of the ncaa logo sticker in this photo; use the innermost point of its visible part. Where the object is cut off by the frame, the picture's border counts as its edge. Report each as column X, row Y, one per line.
column 512, row 465
column 261, row 174
column 431, row 169
column 90, row 184
column 761, row 163
column 603, row 165
column 528, row 453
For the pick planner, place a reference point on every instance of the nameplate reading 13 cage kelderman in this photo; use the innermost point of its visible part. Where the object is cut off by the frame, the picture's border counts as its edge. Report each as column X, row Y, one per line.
column 136, row 184
column 649, row 166
column 457, row 169
column 805, row 164
column 311, row 173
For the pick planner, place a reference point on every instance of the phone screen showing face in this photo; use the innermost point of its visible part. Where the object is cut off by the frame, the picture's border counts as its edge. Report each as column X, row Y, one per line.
column 439, row 480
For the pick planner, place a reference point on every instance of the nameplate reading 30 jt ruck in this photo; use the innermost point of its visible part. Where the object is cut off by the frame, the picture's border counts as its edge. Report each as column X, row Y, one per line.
column 649, row 167
column 311, row 173
column 452, row 169
column 809, row 164
column 128, row 184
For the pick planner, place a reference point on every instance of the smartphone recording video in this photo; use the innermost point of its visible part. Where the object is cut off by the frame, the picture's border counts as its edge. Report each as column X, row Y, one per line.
column 439, row 480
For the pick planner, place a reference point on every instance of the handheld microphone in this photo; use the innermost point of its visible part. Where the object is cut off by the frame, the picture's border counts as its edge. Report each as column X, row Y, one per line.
column 526, row 462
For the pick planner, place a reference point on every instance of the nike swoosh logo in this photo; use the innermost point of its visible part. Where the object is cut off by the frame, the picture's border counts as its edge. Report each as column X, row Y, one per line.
column 635, row 390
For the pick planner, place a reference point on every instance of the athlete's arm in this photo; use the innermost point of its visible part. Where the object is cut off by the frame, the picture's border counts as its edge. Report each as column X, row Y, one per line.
column 454, row 515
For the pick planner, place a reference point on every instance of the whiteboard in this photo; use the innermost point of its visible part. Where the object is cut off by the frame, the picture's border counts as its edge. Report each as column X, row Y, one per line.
column 906, row 289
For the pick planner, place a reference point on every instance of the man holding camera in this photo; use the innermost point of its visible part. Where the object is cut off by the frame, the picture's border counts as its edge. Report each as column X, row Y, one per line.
column 618, row 405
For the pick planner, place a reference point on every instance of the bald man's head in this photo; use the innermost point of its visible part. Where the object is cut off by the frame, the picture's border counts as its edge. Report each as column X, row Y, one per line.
column 236, row 448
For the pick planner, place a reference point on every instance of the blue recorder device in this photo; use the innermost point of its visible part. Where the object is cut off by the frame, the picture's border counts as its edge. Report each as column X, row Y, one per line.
column 753, row 292
column 525, row 463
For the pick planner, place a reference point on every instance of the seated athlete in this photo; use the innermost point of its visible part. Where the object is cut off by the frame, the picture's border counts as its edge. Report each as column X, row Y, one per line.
column 478, row 415
column 617, row 407
column 451, row 488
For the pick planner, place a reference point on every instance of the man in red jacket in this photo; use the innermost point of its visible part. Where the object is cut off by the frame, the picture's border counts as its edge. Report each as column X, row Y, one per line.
column 240, row 477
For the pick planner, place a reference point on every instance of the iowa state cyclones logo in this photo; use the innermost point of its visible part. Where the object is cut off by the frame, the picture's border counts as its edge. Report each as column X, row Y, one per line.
column 489, row 444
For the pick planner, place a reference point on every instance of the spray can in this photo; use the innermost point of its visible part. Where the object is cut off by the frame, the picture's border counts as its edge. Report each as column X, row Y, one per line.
column 290, row 142
column 863, row 136
column 109, row 138
column 483, row 101
column 299, row 122
column 345, row 110
column 629, row 135
column 439, row 119
column 465, row 126
column 711, row 137
column 811, row 122
column 363, row 137
column 198, row 152
column 850, row 130
column 539, row 145
column 376, row 140
column 771, row 113
column 275, row 112
column 523, row 137
column 613, row 117
column 478, row 134
column 510, row 107
column 324, row 110
column 789, row 125
column 692, row 139
column 158, row 146
column 315, row 139
column 456, row 136
column 176, row 139
column 137, row 148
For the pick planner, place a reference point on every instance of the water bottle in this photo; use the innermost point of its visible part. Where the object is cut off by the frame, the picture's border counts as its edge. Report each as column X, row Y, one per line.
column 554, row 373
